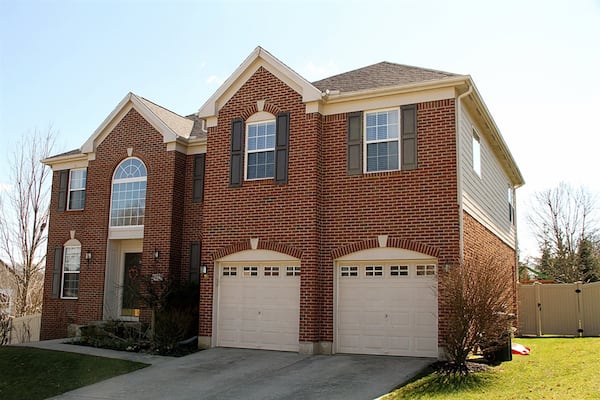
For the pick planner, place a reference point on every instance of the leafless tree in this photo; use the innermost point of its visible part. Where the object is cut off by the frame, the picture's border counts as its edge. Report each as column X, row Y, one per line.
column 563, row 219
column 480, row 301
column 24, row 210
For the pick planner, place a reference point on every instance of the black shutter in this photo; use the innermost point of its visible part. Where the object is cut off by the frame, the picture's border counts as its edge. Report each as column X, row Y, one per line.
column 354, row 143
column 408, row 134
column 236, row 167
column 56, row 271
column 282, row 134
column 63, row 185
column 198, row 186
column 195, row 252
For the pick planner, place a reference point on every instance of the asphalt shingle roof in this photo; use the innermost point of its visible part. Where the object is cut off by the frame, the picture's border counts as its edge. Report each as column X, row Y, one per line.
column 379, row 75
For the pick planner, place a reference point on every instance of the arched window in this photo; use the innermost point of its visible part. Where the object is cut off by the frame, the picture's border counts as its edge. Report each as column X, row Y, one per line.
column 128, row 202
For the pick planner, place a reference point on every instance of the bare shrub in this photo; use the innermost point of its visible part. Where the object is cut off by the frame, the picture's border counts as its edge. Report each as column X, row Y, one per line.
column 479, row 297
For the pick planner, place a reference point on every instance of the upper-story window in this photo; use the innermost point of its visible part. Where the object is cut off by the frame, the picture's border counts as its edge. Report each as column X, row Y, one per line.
column 76, row 192
column 476, row 153
column 511, row 205
column 260, row 150
column 128, row 203
column 382, row 134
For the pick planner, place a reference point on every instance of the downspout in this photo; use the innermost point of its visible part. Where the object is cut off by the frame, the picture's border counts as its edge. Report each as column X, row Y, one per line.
column 459, row 173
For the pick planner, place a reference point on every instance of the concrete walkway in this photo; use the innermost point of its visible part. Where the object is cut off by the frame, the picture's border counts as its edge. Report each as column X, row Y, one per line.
column 221, row 373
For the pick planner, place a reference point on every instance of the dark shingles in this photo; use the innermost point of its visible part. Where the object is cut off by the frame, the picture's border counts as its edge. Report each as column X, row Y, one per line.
column 67, row 153
column 379, row 75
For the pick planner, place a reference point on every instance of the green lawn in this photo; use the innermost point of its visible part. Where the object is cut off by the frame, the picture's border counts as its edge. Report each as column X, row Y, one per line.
column 555, row 369
column 28, row 373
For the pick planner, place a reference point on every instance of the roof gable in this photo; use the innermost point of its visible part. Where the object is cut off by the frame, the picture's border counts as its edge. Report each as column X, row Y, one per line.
column 170, row 125
column 380, row 75
column 258, row 58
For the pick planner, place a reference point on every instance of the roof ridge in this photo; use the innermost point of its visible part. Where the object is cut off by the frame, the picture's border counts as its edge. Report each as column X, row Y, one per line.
column 158, row 105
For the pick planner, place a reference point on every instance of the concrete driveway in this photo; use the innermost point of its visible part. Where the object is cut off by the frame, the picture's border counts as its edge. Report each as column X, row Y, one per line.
column 222, row 373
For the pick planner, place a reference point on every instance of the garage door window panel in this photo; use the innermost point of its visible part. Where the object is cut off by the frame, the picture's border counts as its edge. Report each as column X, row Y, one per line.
column 229, row 271
column 374, row 270
column 271, row 271
column 399, row 270
column 250, row 272
column 292, row 271
column 349, row 271
column 426, row 270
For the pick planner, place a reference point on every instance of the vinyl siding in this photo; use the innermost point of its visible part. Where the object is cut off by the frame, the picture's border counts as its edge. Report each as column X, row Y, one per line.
column 485, row 198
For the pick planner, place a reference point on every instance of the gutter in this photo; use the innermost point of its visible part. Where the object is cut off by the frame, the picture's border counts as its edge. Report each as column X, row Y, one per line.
column 459, row 173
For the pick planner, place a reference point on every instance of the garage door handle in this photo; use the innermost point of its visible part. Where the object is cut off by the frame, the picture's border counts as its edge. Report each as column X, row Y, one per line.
column 259, row 313
column 386, row 315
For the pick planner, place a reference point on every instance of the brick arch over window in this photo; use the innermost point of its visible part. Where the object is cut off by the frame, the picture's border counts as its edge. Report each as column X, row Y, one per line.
column 391, row 242
column 253, row 109
column 262, row 245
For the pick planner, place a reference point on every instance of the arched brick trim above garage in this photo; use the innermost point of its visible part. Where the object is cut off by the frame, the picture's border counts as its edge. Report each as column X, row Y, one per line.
column 262, row 245
column 391, row 242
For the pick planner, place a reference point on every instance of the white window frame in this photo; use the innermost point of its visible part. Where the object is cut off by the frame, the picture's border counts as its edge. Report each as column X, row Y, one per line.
column 476, row 149
column 79, row 189
column 367, row 142
column 263, row 150
column 64, row 272
column 511, row 205
column 125, row 181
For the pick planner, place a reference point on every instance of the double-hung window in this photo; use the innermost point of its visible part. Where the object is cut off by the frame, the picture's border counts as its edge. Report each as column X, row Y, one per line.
column 382, row 132
column 70, row 272
column 260, row 153
column 76, row 194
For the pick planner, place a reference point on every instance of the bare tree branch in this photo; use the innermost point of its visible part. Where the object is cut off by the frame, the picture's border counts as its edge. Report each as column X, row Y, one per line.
column 24, row 217
column 563, row 218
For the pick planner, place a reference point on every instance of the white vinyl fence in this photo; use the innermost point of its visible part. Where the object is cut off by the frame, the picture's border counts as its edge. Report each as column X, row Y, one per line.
column 566, row 309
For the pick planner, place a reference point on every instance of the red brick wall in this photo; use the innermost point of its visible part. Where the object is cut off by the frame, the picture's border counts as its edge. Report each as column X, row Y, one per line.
column 481, row 243
column 273, row 213
column 163, row 220
column 418, row 205
column 321, row 208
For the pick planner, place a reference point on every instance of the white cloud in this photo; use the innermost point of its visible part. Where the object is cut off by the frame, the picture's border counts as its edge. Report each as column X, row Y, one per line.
column 5, row 187
column 314, row 71
column 214, row 80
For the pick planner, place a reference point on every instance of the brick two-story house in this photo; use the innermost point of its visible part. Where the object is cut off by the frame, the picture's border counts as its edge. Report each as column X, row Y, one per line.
column 318, row 217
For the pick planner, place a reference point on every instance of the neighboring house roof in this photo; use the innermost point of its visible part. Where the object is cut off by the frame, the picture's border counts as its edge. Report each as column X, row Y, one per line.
column 383, row 74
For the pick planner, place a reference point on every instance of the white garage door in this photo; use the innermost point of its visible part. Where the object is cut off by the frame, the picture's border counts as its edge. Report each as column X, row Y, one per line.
column 259, row 306
column 387, row 308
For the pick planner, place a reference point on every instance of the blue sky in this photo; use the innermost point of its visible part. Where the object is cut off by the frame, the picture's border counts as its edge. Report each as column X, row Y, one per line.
column 536, row 63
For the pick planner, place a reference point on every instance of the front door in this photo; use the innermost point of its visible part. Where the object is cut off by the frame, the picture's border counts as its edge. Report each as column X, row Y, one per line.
column 130, row 306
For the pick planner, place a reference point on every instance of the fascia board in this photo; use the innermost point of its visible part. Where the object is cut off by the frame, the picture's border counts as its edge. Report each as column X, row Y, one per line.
column 500, row 145
column 259, row 57
column 128, row 102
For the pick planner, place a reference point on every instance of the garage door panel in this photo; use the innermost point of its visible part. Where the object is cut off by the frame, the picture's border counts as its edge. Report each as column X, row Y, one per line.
column 395, row 315
column 258, row 312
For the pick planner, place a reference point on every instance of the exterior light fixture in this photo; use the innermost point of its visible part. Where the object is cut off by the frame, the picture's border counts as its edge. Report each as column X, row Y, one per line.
column 156, row 254
column 204, row 270
column 88, row 257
